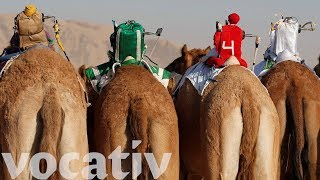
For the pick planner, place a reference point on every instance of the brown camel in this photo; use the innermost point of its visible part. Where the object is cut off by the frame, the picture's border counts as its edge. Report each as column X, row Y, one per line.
column 232, row 131
column 317, row 68
column 42, row 109
column 294, row 90
column 135, row 106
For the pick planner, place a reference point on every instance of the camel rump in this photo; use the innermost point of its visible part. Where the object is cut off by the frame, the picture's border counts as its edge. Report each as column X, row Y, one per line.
column 129, row 109
column 295, row 92
column 232, row 130
column 42, row 109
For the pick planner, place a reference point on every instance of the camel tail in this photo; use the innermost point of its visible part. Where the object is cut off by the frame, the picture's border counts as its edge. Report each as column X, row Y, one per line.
column 251, row 119
column 52, row 116
column 296, row 106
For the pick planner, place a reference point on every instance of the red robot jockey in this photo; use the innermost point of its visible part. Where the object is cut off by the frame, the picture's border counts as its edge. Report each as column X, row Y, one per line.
column 228, row 41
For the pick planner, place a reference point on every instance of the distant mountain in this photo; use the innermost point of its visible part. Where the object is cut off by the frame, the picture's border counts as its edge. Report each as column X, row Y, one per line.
column 88, row 43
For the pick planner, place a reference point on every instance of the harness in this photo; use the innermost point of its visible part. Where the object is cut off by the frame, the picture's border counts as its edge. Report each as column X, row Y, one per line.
column 6, row 66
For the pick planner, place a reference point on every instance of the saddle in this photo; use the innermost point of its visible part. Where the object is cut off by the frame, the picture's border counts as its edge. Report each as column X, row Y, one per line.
column 99, row 76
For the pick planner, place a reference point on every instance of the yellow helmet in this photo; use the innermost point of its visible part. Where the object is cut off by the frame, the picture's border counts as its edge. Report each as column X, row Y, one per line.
column 30, row 10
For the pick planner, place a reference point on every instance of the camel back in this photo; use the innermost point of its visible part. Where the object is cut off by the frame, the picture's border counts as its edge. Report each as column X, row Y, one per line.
column 101, row 75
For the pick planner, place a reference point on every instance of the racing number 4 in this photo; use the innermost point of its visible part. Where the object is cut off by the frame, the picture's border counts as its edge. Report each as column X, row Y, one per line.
column 228, row 47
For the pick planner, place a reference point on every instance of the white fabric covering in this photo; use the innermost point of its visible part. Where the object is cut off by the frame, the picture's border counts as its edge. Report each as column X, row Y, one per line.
column 200, row 75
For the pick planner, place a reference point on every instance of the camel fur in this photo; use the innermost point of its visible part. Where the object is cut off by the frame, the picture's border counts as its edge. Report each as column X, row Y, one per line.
column 42, row 109
column 294, row 90
column 135, row 106
column 230, row 132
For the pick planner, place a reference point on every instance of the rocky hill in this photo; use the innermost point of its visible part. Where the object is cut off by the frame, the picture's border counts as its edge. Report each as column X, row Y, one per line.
column 88, row 43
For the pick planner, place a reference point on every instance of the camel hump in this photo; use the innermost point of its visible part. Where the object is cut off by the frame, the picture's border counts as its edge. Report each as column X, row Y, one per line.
column 52, row 116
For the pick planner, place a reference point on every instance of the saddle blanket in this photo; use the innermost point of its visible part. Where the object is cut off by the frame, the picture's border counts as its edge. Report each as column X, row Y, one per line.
column 101, row 75
column 264, row 67
column 200, row 75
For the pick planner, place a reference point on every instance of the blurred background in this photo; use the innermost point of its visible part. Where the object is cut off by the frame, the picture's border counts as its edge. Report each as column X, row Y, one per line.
column 87, row 24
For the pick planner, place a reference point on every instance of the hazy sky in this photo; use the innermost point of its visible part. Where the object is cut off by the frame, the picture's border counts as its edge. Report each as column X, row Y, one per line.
column 189, row 21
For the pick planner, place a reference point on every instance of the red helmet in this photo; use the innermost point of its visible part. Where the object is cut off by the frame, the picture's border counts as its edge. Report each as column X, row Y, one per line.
column 233, row 18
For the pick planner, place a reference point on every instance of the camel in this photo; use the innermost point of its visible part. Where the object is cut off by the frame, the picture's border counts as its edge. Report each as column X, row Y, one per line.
column 42, row 109
column 135, row 106
column 232, row 131
column 317, row 68
column 294, row 90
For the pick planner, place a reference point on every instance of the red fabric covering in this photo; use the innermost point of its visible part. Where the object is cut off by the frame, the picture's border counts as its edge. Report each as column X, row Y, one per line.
column 227, row 42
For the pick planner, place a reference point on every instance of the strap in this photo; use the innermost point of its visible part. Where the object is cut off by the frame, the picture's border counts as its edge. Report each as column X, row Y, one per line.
column 85, row 92
column 146, row 65
column 6, row 67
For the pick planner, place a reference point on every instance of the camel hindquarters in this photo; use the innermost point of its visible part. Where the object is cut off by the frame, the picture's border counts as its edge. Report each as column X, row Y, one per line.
column 44, row 124
column 164, row 139
column 312, row 123
column 189, row 130
column 64, row 131
column 222, row 140
column 286, row 139
column 111, row 131
column 156, row 137
column 24, row 125
column 74, row 135
column 158, row 133
column 266, row 164
column 239, row 147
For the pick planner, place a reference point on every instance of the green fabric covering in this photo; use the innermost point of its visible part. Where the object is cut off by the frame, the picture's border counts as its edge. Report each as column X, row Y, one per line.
column 269, row 64
column 128, row 40
column 102, row 69
column 95, row 74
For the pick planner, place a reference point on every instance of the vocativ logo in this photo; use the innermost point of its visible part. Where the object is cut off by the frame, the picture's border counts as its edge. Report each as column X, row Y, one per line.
column 15, row 169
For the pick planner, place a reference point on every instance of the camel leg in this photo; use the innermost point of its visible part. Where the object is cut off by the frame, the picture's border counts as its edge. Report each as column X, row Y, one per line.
column 283, row 137
column 110, row 132
column 163, row 139
column 232, row 128
column 22, row 142
column 74, row 136
column 24, row 136
column 108, row 139
column 112, row 129
column 267, row 147
column 282, row 112
column 158, row 132
column 227, row 156
column 298, row 124
column 312, row 121
column 188, row 111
